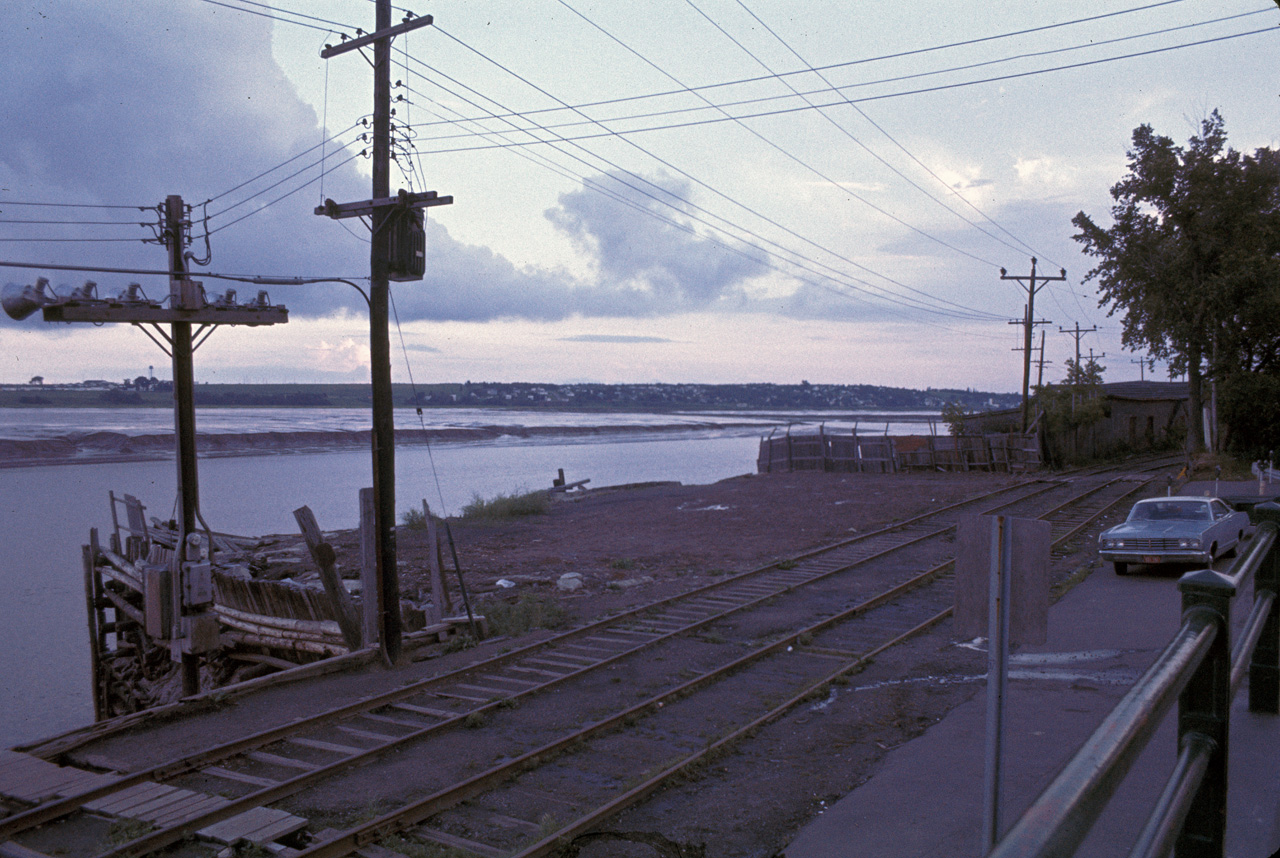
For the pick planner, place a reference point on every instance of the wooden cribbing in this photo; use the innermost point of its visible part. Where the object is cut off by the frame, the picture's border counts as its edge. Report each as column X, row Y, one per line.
column 322, row 553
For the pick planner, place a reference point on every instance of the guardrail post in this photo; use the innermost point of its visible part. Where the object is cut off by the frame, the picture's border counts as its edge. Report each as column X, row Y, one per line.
column 1264, row 668
column 1204, row 708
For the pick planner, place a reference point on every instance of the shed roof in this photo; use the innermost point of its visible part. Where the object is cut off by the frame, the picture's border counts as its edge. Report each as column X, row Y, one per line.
column 1149, row 391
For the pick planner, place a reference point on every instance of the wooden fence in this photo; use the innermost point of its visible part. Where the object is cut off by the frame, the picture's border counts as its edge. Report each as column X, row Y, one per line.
column 883, row 454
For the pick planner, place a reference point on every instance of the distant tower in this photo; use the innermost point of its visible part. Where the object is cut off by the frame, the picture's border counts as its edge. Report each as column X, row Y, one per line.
column 151, row 373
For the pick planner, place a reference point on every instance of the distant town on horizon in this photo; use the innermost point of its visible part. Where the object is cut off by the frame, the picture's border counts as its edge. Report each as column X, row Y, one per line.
column 152, row 392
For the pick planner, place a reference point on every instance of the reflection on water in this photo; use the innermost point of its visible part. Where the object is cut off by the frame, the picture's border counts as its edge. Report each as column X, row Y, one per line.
column 46, row 513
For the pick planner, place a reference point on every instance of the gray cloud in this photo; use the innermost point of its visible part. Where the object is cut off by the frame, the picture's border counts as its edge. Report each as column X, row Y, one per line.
column 104, row 105
column 658, row 256
column 612, row 338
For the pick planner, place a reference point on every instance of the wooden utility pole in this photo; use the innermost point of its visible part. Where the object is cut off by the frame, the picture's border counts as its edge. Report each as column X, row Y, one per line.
column 387, row 215
column 1077, row 332
column 184, row 418
column 179, row 604
column 1033, row 284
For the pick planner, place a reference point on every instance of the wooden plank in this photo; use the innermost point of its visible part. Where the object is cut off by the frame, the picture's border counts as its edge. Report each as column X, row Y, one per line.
column 259, row 825
column 369, row 621
column 442, row 605
column 386, row 719
column 423, row 710
column 241, row 777
column 117, row 803
column 186, row 811
column 364, row 734
column 332, row 747
column 492, row 692
column 322, row 554
column 459, row 842
column 277, row 760
column 460, row 696
column 153, row 810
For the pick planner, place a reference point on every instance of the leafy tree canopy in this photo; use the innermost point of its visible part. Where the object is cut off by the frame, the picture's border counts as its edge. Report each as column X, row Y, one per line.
column 1192, row 257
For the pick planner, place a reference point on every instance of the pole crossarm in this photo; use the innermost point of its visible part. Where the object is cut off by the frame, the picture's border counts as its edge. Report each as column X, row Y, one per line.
column 371, row 38
column 426, row 199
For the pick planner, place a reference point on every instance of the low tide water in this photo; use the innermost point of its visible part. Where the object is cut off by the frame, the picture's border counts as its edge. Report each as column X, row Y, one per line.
column 47, row 512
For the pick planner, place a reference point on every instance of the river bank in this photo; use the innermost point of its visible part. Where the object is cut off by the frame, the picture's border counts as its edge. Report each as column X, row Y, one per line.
column 77, row 448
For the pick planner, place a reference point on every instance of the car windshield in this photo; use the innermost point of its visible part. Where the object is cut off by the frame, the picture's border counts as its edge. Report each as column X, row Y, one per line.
column 1171, row 511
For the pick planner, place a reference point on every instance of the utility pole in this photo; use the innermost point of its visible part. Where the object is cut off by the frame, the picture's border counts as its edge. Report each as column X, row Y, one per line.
column 397, row 230
column 1029, row 324
column 1077, row 332
column 184, row 411
column 1040, row 374
column 1142, row 368
column 178, row 608
column 1033, row 284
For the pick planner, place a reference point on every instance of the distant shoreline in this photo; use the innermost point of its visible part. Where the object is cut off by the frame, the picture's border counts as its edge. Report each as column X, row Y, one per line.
column 109, row 447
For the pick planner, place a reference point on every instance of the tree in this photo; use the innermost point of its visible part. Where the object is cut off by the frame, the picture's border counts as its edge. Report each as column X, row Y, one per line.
column 1191, row 256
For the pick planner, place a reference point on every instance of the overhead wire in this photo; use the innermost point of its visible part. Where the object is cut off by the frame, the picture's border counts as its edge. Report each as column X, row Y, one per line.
column 780, row 149
column 690, row 203
column 616, row 132
column 892, row 298
column 276, row 17
column 822, row 69
column 283, row 196
column 879, row 128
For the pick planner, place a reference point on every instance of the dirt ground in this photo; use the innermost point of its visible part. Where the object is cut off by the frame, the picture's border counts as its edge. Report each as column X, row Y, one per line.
column 634, row 544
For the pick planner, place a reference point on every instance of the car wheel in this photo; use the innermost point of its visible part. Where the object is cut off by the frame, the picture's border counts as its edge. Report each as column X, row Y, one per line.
column 1121, row 568
column 1213, row 552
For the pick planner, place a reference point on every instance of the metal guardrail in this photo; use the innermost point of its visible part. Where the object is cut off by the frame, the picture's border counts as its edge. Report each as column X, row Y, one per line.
column 1201, row 672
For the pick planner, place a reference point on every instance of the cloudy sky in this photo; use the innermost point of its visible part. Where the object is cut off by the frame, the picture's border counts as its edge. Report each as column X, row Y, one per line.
column 680, row 190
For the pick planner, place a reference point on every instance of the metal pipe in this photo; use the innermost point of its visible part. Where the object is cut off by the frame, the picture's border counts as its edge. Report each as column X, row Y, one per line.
column 1061, row 817
column 1165, row 823
column 1242, row 653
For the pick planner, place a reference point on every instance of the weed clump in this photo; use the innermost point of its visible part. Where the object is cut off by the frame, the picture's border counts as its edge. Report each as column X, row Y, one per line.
column 525, row 614
column 506, row 506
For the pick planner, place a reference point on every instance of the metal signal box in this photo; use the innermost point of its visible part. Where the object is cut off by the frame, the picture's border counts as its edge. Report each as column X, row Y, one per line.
column 408, row 257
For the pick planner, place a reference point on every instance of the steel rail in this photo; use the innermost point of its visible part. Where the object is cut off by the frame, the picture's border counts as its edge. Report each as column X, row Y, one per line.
column 192, row 762
column 405, row 818
column 267, row 795
column 166, row 836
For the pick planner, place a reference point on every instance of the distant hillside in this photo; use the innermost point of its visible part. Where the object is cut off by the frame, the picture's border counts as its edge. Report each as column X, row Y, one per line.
column 619, row 397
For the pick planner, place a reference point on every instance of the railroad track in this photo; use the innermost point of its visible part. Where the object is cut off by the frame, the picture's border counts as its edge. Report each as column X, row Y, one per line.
column 748, row 648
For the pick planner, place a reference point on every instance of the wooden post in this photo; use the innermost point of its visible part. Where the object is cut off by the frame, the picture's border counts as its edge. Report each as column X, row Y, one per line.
column 442, row 605
column 91, row 604
column 322, row 553
column 368, row 568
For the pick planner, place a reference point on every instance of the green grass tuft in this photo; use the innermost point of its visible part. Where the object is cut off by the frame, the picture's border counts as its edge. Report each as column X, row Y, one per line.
column 507, row 506
column 524, row 614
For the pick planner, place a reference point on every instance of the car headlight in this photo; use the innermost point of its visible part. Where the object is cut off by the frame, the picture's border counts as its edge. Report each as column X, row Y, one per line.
column 1113, row 543
column 1193, row 544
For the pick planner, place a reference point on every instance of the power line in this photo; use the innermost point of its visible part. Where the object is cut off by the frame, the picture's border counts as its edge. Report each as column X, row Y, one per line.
column 75, row 205
column 622, row 134
column 642, row 191
column 282, row 196
column 278, row 17
column 701, row 183
column 821, row 70
column 839, row 127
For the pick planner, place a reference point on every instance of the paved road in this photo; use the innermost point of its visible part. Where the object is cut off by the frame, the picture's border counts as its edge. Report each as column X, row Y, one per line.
column 925, row 800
